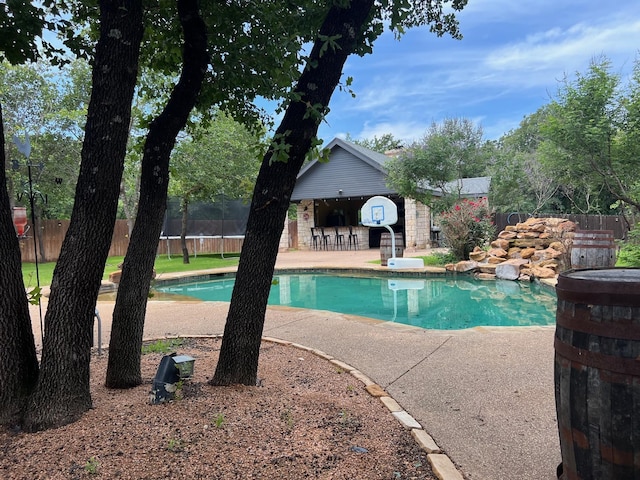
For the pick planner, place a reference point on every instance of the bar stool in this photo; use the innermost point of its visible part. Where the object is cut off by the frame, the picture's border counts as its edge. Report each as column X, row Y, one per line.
column 324, row 238
column 315, row 238
column 339, row 241
column 353, row 238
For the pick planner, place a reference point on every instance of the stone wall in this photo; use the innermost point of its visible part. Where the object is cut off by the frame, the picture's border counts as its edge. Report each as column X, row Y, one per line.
column 538, row 247
column 417, row 225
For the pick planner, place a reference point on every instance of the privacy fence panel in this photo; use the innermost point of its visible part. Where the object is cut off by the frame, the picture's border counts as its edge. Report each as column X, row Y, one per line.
column 52, row 234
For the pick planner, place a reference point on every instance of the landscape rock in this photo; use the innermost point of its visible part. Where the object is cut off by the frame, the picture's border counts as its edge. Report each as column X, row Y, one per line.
column 477, row 256
column 495, row 260
column 535, row 248
column 497, row 252
column 507, row 271
column 487, row 268
column 542, row 272
column 465, row 266
column 500, row 243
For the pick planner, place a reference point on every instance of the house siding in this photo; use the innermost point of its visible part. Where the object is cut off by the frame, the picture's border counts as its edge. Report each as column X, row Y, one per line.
column 344, row 172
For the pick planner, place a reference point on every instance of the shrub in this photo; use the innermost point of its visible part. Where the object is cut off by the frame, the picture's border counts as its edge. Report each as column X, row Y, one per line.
column 465, row 225
column 629, row 254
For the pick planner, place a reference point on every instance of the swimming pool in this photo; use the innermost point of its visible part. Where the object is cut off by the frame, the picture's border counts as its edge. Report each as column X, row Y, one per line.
column 433, row 303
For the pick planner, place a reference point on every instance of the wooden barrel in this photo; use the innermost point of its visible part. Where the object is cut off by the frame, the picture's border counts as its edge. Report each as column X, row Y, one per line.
column 593, row 248
column 597, row 373
column 386, row 247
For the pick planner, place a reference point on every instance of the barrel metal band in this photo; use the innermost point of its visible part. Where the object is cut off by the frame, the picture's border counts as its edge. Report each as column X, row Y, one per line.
column 602, row 329
column 625, row 366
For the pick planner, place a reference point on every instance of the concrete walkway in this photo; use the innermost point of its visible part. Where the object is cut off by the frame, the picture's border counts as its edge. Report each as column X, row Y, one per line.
column 485, row 395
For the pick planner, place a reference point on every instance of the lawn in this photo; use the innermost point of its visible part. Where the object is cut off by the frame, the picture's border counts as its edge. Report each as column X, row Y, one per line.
column 434, row 260
column 163, row 264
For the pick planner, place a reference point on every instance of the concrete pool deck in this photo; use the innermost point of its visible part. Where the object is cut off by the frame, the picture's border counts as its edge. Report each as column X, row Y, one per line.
column 485, row 395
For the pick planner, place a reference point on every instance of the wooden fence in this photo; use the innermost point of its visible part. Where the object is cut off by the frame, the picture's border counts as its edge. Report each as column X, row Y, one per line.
column 617, row 223
column 53, row 232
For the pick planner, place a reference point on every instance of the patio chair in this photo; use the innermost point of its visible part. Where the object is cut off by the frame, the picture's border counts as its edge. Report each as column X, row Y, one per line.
column 353, row 238
column 324, row 238
column 339, row 240
column 315, row 237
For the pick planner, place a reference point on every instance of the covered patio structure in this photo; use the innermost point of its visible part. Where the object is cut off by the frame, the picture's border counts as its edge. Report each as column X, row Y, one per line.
column 329, row 196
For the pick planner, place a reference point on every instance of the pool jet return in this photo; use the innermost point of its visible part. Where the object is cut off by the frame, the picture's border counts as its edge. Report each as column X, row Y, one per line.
column 381, row 212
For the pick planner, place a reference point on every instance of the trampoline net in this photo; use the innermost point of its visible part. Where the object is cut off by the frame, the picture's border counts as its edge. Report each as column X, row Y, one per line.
column 223, row 216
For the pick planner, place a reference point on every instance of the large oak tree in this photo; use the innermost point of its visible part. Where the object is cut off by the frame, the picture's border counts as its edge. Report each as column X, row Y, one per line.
column 348, row 27
column 128, row 316
column 62, row 391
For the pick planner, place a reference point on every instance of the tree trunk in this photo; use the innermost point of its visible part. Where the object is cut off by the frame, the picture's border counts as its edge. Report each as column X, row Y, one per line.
column 19, row 371
column 240, row 349
column 62, row 393
column 183, row 231
column 123, row 369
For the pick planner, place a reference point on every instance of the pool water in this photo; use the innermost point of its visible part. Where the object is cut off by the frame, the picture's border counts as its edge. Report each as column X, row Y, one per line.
column 432, row 303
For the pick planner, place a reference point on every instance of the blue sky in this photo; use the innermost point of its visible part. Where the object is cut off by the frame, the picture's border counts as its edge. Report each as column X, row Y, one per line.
column 509, row 63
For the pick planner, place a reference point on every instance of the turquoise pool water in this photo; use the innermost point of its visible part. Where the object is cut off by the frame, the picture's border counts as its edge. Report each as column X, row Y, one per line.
column 434, row 303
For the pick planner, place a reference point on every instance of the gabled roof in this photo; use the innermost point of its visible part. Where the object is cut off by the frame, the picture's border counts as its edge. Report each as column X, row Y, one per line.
column 352, row 171
column 356, row 171
column 374, row 159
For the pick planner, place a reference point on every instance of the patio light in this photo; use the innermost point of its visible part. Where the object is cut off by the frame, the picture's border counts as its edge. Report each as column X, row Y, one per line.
column 172, row 369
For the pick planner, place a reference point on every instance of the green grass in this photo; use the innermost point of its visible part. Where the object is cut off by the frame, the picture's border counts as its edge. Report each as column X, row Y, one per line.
column 162, row 265
column 434, row 260
column 162, row 346
column 438, row 259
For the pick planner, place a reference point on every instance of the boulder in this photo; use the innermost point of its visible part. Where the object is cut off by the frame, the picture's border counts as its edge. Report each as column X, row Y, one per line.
column 548, row 264
column 478, row 256
column 495, row 260
column 554, row 222
column 542, row 272
column 500, row 243
column 528, row 235
column 527, row 252
column 548, row 253
column 497, row 252
column 487, row 268
column 514, row 252
column 507, row 271
column 566, row 226
column 465, row 266
column 114, row 277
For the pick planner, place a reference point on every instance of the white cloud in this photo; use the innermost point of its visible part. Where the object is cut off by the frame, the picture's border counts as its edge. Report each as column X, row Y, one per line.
column 564, row 50
column 507, row 66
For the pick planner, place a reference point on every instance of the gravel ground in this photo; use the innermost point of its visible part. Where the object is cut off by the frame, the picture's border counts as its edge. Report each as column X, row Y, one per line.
column 307, row 419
